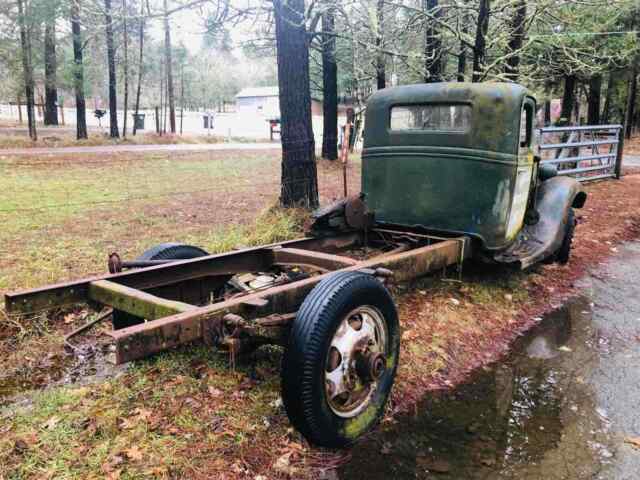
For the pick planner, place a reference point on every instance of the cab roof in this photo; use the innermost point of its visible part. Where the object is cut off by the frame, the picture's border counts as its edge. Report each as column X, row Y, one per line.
column 495, row 115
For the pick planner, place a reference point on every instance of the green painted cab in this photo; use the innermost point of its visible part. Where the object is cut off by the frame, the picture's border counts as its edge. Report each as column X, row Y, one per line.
column 455, row 158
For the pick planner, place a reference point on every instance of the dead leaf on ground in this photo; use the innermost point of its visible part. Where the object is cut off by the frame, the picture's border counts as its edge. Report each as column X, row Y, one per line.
column 51, row 423
column 215, row 392
column 283, row 465
column 634, row 441
column 134, row 453
column 110, row 467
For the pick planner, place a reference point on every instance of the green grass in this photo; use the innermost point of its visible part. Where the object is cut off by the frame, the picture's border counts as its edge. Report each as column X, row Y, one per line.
column 65, row 187
column 60, row 219
column 67, row 138
column 163, row 408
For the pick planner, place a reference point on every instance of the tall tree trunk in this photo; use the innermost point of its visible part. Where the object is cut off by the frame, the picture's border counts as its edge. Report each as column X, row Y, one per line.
column 568, row 99
column 606, row 109
column 462, row 54
column 631, row 99
column 462, row 62
column 593, row 110
column 329, row 87
column 299, row 174
column 381, row 74
column 125, row 67
column 140, row 64
column 517, row 24
column 78, row 72
column 547, row 113
column 181, row 96
column 27, row 66
column 162, row 101
column 433, row 43
column 633, row 84
column 50, row 67
column 111, row 59
column 480, row 44
column 167, row 55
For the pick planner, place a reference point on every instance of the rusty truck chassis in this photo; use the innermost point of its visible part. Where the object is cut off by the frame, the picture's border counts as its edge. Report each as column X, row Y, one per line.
column 182, row 301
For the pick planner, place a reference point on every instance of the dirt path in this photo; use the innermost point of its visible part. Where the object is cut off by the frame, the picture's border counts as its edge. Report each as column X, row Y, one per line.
column 109, row 149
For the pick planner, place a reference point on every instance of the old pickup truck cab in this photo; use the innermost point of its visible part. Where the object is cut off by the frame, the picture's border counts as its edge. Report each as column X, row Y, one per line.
column 461, row 159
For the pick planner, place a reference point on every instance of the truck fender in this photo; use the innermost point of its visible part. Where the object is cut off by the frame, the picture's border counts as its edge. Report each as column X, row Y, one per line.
column 554, row 199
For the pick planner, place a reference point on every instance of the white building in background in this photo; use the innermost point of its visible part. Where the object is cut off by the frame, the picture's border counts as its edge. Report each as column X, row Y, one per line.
column 263, row 101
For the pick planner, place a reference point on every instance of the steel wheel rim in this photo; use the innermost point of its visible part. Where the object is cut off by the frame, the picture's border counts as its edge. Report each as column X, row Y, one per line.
column 362, row 334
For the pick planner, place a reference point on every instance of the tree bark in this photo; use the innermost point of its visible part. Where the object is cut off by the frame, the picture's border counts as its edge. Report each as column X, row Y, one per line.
column 111, row 60
column 381, row 74
column 606, row 109
column 140, row 63
column 547, row 113
column 78, row 71
column 462, row 54
column 480, row 43
column 433, row 43
column 329, row 87
column 27, row 66
column 568, row 99
column 593, row 110
column 631, row 100
column 169, row 67
column 299, row 175
column 517, row 24
column 125, row 67
column 633, row 84
column 50, row 67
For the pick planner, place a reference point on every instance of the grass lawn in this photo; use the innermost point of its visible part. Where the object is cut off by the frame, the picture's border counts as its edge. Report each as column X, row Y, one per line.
column 66, row 137
column 186, row 413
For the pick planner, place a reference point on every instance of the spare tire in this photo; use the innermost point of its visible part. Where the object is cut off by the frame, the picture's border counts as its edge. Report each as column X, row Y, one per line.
column 172, row 251
column 162, row 251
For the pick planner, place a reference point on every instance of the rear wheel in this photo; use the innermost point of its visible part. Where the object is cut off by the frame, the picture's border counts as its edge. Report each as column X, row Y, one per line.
column 564, row 252
column 341, row 360
column 162, row 251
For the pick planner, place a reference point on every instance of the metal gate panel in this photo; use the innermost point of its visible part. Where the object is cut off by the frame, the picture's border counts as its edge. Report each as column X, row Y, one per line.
column 587, row 152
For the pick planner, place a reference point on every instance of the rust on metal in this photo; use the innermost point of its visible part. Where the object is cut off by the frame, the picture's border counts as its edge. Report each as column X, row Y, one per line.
column 135, row 302
column 230, row 263
column 114, row 263
column 203, row 323
column 355, row 212
column 297, row 256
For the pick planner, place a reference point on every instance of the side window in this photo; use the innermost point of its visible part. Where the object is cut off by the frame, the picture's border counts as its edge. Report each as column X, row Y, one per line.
column 526, row 125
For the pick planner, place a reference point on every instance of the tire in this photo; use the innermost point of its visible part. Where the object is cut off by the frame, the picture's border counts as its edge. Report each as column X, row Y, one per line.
column 172, row 251
column 162, row 251
column 564, row 252
column 305, row 384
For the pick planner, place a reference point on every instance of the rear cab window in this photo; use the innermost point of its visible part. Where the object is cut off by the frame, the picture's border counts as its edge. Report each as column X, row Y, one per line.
column 431, row 118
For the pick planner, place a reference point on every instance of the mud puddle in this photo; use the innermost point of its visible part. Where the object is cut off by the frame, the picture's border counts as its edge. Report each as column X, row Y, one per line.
column 562, row 405
column 86, row 365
